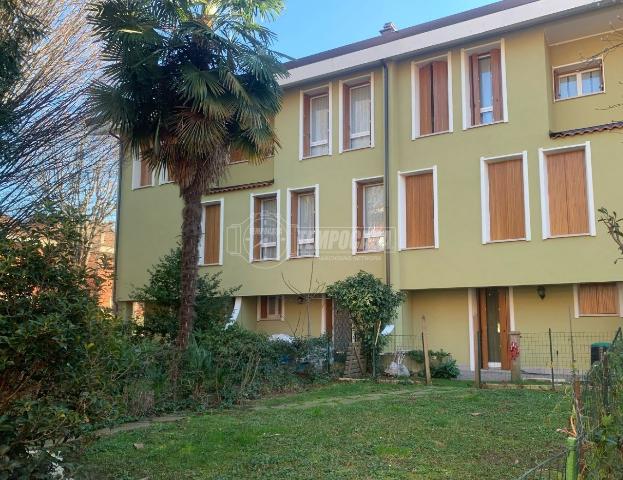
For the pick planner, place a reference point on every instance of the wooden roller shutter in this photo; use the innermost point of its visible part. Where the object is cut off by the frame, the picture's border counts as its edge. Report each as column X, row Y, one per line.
column 567, row 196
column 496, row 81
column 475, row 88
column 146, row 174
column 426, row 99
column 359, row 230
column 263, row 308
column 506, row 200
column 257, row 207
column 346, row 118
column 306, row 125
column 294, row 214
column 419, row 211
column 440, row 96
column 598, row 299
column 212, row 234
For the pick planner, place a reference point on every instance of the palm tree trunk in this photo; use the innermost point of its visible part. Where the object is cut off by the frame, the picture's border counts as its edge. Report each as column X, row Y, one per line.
column 191, row 231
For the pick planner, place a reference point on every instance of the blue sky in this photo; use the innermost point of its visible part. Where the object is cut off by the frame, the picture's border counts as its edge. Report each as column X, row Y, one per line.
column 311, row 26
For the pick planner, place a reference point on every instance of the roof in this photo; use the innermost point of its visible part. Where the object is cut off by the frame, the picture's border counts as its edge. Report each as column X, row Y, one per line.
column 488, row 20
column 409, row 31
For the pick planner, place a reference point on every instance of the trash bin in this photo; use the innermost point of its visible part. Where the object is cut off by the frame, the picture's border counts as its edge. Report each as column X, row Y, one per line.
column 598, row 350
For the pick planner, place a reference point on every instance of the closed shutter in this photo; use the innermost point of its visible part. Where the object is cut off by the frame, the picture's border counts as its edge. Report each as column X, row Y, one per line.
column 146, row 174
column 475, row 88
column 496, row 81
column 506, row 200
column 440, row 97
column 212, row 238
column 598, row 299
column 294, row 211
column 419, row 211
column 263, row 308
column 360, row 240
column 257, row 233
column 426, row 99
column 306, row 126
column 346, row 118
column 567, row 197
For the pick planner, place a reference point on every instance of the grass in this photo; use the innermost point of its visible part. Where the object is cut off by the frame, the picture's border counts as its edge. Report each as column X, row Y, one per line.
column 348, row 431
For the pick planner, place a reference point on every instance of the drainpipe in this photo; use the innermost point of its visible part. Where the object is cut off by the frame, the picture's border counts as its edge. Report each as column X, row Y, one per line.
column 115, row 307
column 386, row 167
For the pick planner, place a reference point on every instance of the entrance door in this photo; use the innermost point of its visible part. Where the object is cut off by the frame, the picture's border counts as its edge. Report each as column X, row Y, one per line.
column 494, row 317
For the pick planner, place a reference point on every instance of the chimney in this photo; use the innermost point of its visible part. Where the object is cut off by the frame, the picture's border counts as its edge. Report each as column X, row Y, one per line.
column 389, row 27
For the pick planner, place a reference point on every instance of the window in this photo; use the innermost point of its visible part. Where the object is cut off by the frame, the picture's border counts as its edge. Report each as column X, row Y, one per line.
column 370, row 229
column 566, row 190
column 316, row 123
column 236, row 156
column 357, row 111
column 485, row 86
column 164, row 176
column 594, row 299
column 504, row 195
column 266, row 227
column 142, row 175
column 431, row 90
column 303, row 223
column 270, row 307
column 418, row 209
column 579, row 79
column 210, row 251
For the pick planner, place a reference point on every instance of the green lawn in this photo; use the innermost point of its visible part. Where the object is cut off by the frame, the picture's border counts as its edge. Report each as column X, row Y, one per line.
column 348, row 431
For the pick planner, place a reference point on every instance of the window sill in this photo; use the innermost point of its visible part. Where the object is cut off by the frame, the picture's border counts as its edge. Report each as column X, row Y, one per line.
column 316, row 156
column 558, row 100
column 302, row 257
column 142, row 187
column 365, row 252
column 347, row 150
column 209, row 264
column 275, row 319
column 262, row 260
column 434, row 134
column 408, row 249
column 508, row 240
column 571, row 235
column 481, row 125
column 604, row 315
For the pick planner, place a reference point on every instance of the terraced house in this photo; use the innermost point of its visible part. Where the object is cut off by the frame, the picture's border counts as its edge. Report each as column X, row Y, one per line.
column 462, row 160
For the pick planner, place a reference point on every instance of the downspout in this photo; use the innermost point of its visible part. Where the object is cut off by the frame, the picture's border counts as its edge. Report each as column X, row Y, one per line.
column 386, row 168
column 115, row 307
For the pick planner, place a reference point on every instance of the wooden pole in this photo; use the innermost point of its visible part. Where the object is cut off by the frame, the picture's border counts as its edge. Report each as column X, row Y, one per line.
column 429, row 380
column 515, row 355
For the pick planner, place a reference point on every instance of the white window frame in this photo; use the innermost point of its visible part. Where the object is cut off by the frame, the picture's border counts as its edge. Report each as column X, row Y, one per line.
column 269, row 317
column 316, row 190
column 545, row 223
column 578, row 76
column 342, row 83
column 163, row 178
column 136, row 176
column 221, row 202
column 484, row 196
column 402, row 208
column 252, row 198
column 370, row 180
column 576, row 302
column 466, row 82
column 415, row 96
column 326, row 89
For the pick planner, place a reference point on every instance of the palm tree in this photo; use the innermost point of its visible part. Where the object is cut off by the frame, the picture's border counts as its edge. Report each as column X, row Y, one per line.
column 185, row 83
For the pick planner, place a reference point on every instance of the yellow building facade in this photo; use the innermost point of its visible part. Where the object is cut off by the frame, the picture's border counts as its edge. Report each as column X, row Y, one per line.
column 463, row 161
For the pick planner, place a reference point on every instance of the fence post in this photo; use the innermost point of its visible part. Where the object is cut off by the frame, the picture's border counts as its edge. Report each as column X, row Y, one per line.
column 515, row 357
column 477, row 379
column 572, row 459
column 551, row 359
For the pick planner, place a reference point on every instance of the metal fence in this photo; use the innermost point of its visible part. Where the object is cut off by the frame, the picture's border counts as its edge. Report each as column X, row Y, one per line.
column 597, row 394
column 557, row 356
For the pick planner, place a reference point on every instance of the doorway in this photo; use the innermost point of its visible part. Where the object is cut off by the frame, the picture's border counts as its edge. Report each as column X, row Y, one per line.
column 494, row 323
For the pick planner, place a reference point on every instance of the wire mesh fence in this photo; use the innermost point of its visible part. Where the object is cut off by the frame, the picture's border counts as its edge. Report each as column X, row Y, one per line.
column 554, row 468
column 556, row 356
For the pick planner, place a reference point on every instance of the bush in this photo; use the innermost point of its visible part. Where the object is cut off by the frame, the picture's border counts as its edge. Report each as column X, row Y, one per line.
column 161, row 298
column 442, row 365
column 46, row 314
column 372, row 305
